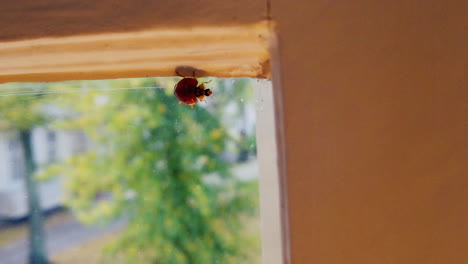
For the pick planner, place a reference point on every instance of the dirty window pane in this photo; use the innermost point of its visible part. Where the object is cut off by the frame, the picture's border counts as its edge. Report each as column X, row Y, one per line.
column 125, row 174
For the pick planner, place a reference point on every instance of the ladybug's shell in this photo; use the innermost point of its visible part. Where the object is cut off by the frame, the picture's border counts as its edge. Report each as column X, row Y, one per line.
column 185, row 91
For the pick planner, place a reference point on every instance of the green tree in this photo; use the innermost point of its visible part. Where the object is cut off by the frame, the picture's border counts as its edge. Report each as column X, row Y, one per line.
column 21, row 113
column 157, row 163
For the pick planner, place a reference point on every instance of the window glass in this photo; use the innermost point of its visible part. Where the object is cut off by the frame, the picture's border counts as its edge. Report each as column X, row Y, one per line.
column 125, row 174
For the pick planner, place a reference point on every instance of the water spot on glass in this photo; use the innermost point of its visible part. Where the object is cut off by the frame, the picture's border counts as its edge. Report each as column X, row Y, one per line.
column 101, row 100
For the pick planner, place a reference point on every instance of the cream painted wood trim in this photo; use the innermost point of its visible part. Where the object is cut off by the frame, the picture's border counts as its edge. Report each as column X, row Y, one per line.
column 237, row 51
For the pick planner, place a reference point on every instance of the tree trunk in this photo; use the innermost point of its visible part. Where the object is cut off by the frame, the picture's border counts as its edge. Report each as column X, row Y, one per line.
column 37, row 253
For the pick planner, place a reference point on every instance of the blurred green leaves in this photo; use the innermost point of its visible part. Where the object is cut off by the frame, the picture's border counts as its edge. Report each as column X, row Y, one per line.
column 25, row 110
column 153, row 162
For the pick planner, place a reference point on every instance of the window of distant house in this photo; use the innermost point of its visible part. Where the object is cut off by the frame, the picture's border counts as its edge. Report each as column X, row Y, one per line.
column 16, row 158
column 81, row 142
column 51, row 146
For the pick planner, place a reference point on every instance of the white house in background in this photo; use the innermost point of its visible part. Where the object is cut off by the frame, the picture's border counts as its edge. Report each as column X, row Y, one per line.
column 48, row 146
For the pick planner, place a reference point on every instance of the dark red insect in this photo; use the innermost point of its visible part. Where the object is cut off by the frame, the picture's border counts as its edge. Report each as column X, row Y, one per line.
column 189, row 92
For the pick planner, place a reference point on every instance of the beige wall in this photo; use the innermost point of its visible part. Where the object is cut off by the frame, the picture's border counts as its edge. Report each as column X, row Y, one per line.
column 375, row 121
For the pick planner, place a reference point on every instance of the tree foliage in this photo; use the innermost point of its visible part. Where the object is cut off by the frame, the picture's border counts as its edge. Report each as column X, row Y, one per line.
column 157, row 164
column 21, row 110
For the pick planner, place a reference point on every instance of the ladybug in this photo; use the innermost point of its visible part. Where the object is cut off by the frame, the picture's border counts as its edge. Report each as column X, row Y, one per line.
column 189, row 92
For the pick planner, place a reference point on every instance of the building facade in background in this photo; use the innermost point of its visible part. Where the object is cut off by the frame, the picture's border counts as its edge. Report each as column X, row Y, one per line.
column 49, row 146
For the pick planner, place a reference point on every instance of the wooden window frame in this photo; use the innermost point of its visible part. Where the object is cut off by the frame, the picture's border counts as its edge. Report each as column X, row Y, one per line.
column 238, row 50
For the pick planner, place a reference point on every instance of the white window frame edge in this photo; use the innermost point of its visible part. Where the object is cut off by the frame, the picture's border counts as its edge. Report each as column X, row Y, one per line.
column 272, row 165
